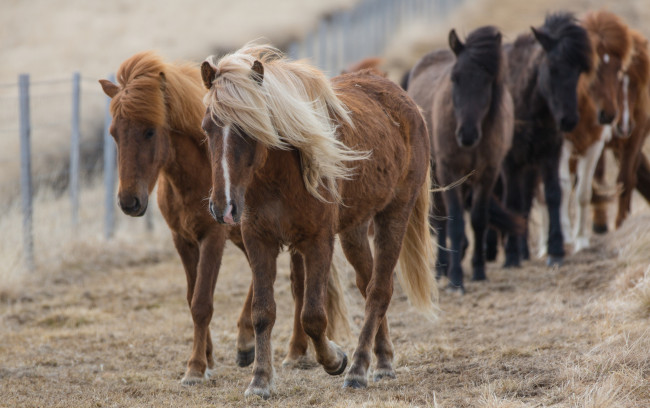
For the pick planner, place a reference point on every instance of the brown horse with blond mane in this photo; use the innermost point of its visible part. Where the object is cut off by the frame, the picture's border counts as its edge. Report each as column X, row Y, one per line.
column 298, row 159
column 157, row 111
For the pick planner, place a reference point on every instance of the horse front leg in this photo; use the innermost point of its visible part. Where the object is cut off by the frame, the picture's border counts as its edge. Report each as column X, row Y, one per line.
column 318, row 257
column 479, row 217
column 513, row 184
column 456, row 228
column 262, row 257
column 201, row 307
column 553, row 195
column 566, row 184
column 629, row 162
column 600, row 206
column 585, row 173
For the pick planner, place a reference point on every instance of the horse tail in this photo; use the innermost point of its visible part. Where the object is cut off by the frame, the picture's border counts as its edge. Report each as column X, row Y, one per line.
column 416, row 256
column 338, row 327
column 505, row 220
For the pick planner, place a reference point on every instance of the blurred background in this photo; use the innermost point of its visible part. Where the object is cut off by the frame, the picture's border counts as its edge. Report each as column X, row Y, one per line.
column 62, row 47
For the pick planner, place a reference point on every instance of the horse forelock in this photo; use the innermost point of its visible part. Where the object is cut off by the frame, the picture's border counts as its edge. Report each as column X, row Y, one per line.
column 158, row 93
column 609, row 34
column 483, row 46
column 293, row 106
column 573, row 43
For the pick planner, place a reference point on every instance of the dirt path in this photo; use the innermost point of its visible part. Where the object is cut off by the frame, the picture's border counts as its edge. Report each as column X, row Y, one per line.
column 121, row 336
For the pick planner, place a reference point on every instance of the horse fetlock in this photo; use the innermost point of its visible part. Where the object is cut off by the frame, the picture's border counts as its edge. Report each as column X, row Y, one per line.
column 356, row 379
column 194, row 377
column 381, row 373
column 245, row 358
column 341, row 361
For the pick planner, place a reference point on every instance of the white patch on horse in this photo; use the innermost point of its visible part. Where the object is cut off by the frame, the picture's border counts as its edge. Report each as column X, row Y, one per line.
column 606, row 58
column 626, row 104
column 224, row 164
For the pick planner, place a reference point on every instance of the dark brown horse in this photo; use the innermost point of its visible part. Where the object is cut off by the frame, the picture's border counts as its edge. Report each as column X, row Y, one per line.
column 544, row 69
column 469, row 111
column 297, row 160
column 630, row 131
column 598, row 107
column 157, row 111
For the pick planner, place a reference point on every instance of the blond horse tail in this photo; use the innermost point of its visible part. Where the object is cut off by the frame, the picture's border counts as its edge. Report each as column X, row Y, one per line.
column 416, row 257
column 338, row 327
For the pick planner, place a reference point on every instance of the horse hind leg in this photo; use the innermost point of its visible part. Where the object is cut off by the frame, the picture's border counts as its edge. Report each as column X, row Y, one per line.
column 390, row 227
column 357, row 251
column 297, row 355
column 318, row 257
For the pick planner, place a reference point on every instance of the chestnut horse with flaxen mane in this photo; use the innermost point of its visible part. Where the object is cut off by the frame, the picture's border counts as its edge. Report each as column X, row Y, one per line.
column 298, row 159
column 157, row 111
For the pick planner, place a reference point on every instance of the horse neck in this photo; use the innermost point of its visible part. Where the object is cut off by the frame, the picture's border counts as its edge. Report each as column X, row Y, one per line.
column 529, row 102
column 188, row 166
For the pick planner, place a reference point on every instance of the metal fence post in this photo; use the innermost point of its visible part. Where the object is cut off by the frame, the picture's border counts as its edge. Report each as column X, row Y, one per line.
column 26, row 170
column 74, row 149
column 109, row 171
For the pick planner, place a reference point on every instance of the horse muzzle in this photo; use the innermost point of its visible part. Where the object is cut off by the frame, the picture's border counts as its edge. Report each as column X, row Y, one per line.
column 229, row 216
column 132, row 205
column 468, row 136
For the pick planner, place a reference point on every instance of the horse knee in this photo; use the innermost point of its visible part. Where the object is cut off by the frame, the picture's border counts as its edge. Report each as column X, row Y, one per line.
column 314, row 321
column 201, row 313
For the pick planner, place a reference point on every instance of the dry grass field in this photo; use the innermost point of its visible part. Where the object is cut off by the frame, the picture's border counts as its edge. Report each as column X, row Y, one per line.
column 106, row 324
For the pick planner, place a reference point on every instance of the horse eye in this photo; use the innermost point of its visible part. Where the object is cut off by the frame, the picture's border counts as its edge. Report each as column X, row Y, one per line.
column 148, row 134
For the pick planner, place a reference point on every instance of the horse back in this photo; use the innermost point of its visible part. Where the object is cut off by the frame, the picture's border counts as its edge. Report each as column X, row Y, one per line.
column 388, row 124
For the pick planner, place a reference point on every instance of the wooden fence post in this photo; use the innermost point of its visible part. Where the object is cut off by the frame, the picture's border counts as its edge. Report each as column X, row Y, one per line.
column 75, row 148
column 26, row 171
column 109, row 171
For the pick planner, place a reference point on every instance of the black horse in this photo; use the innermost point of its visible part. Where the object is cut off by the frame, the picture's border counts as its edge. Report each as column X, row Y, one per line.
column 465, row 100
column 544, row 68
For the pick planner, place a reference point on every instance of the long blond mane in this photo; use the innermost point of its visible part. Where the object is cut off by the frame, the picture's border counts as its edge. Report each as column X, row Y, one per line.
column 159, row 93
column 293, row 106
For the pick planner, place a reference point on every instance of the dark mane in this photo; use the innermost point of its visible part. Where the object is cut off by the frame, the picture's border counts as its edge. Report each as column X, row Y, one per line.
column 483, row 46
column 573, row 41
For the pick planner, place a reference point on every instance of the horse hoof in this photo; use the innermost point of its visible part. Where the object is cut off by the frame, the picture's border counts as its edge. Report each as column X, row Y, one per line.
column 554, row 260
column 455, row 289
column 355, row 382
column 479, row 277
column 340, row 370
column 600, row 229
column 263, row 393
column 383, row 373
column 194, row 378
column 245, row 358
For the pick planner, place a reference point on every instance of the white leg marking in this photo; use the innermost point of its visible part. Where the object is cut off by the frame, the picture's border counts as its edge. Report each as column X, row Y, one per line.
column 586, row 169
column 540, row 203
column 567, row 186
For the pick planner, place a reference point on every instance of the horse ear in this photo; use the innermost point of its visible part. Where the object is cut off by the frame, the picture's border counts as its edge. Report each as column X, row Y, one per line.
column 454, row 42
column 207, row 74
column 498, row 37
column 257, row 72
column 544, row 39
column 109, row 88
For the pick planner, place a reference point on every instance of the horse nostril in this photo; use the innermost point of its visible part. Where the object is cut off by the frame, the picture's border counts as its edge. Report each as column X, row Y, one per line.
column 234, row 209
column 136, row 204
column 567, row 123
column 211, row 209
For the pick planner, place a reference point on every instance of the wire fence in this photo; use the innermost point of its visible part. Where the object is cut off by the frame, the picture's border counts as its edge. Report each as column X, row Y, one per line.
column 36, row 116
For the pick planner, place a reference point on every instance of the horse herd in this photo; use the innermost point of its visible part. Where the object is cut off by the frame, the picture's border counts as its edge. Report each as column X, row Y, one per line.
column 290, row 158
